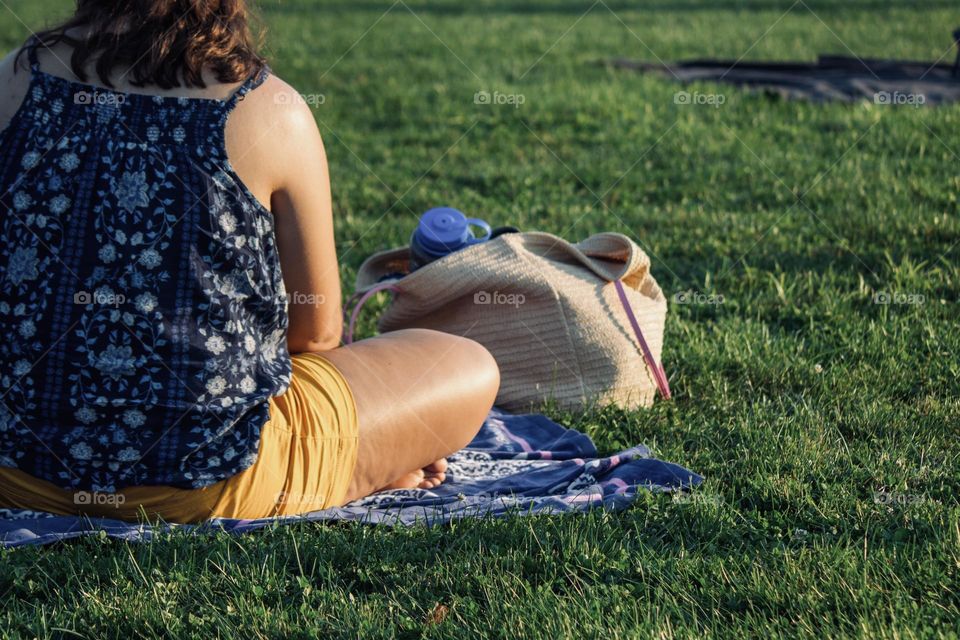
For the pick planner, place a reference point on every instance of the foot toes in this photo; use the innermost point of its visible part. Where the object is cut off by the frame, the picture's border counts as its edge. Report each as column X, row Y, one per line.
column 433, row 480
column 411, row 480
column 440, row 466
column 431, row 476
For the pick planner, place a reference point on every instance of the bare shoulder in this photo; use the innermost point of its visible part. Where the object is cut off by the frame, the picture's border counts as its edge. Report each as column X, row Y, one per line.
column 272, row 137
column 14, row 64
column 275, row 124
column 14, row 82
column 278, row 103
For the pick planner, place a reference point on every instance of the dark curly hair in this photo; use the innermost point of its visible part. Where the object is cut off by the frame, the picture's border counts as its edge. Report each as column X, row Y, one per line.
column 166, row 43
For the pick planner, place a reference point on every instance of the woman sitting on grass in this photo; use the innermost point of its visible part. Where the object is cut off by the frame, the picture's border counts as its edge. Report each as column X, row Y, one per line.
column 167, row 243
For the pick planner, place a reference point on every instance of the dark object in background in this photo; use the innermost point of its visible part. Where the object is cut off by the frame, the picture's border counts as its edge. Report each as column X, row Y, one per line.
column 956, row 63
column 830, row 78
column 499, row 231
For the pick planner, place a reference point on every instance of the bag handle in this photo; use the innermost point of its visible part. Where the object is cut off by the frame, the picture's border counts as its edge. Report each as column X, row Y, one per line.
column 656, row 369
column 361, row 299
column 611, row 256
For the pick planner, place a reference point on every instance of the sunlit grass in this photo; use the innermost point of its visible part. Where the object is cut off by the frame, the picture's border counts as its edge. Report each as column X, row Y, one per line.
column 825, row 421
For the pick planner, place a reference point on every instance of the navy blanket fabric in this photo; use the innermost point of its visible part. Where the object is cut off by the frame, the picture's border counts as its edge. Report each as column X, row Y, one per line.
column 517, row 464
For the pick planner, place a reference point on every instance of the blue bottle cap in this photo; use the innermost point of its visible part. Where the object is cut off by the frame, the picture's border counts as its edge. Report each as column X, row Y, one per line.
column 442, row 230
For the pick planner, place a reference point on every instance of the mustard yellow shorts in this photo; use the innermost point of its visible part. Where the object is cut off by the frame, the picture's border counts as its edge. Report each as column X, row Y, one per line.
column 308, row 450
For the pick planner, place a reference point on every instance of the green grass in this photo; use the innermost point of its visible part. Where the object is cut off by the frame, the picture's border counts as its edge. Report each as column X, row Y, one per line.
column 798, row 398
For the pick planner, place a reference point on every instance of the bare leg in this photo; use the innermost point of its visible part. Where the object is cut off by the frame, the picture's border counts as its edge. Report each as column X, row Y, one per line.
column 421, row 395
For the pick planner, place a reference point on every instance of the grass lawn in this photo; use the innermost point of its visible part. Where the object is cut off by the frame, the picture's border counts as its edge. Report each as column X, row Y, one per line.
column 825, row 422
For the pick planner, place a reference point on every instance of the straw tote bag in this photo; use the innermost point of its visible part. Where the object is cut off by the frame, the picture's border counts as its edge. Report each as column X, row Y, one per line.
column 577, row 324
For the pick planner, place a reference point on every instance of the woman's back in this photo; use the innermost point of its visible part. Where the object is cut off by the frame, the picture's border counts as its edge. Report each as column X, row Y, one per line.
column 148, row 330
column 143, row 302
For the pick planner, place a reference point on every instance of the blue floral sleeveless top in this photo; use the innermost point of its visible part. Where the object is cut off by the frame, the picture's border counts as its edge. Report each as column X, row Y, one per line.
column 142, row 309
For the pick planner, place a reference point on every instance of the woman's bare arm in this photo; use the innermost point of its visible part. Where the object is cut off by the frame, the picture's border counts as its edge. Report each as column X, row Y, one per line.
column 285, row 152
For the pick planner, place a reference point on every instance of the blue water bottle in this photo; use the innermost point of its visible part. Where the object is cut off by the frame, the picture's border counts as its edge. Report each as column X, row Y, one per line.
column 442, row 231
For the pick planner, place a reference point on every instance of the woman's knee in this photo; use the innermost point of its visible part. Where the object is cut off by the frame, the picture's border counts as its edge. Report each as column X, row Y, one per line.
column 483, row 367
column 472, row 361
column 477, row 367
column 459, row 367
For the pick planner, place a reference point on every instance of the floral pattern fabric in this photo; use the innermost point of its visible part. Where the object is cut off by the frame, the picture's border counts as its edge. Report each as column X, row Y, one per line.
column 141, row 299
column 518, row 465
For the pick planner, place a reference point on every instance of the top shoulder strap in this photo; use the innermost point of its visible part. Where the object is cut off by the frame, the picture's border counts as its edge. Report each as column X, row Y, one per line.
column 31, row 47
column 251, row 83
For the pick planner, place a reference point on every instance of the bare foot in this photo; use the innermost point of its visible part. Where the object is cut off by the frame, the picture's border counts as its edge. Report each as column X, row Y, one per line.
column 434, row 474
column 429, row 477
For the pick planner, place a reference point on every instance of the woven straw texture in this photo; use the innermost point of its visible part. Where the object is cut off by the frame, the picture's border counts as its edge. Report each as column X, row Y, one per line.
column 545, row 308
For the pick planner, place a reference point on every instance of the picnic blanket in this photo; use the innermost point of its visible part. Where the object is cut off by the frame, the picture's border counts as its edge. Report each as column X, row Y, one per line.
column 517, row 464
column 840, row 78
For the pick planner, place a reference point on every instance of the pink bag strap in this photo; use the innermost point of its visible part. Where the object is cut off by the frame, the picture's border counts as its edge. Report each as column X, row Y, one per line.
column 659, row 376
column 361, row 299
